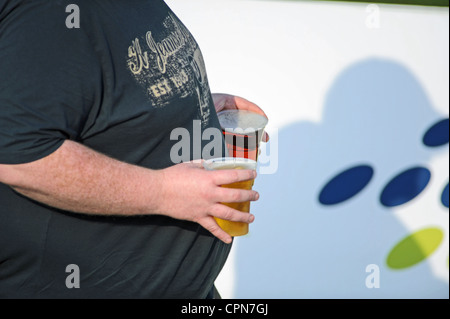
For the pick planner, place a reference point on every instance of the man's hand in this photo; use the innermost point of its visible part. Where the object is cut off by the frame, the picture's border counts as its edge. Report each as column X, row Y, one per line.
column 232, row 102
column 191, row 193
column 78, row 179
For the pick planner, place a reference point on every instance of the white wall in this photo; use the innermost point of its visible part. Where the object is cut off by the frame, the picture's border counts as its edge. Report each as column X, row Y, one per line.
column 343, row 84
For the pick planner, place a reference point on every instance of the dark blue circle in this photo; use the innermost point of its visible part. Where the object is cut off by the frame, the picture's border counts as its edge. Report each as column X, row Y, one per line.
column 438, row 134
column 444, row 197
column 345, row 185
column 405, row 187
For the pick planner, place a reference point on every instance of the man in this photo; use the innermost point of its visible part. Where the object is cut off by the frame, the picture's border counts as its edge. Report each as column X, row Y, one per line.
column 87, row 184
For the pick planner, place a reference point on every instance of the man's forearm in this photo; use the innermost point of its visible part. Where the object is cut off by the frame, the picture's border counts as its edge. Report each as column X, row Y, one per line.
column 78, row 179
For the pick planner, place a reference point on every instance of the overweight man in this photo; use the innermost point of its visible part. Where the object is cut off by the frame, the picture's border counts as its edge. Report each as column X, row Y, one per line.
column 88, row 188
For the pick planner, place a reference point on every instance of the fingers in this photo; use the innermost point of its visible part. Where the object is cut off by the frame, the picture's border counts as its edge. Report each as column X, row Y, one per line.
column 234, row 195
column 211, row 225
column 225, row 177
column 226, row 213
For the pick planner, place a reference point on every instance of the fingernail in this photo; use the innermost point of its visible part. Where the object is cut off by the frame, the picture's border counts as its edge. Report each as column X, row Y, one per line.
column 252, row 218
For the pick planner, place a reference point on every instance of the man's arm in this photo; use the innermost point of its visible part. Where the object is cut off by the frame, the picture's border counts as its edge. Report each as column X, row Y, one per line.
column 78, row 179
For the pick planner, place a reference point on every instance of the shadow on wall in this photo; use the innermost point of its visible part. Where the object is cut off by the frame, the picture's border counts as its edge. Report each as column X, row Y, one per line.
column 328, row 212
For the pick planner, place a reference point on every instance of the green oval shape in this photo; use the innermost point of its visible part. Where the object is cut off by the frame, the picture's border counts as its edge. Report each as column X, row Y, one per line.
column 415, row 248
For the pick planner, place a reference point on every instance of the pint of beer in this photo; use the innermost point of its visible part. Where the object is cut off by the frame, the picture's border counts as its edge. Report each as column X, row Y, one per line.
column 243, row 132
column 233, row 228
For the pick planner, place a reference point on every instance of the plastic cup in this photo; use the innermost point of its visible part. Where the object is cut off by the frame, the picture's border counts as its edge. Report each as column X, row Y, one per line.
column 234, row 229
column 243, row 132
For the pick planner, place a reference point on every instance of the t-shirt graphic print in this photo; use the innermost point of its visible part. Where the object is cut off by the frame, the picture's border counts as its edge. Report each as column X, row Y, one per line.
column 164, row 63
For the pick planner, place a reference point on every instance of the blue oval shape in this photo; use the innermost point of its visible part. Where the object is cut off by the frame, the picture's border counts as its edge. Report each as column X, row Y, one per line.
column 346, row 185
column 438, row 134
column 444, row 197
column 405, row 187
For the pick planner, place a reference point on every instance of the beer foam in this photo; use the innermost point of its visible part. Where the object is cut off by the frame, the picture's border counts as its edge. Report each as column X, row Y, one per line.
column 239, row 119
column 229, row 163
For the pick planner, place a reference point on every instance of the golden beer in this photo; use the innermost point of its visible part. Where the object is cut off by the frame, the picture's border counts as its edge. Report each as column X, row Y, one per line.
column 234, row 228
column 243, row 132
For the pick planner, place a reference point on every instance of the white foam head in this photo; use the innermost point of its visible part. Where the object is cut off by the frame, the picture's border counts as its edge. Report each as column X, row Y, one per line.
column 239, row 119
column 229, row 163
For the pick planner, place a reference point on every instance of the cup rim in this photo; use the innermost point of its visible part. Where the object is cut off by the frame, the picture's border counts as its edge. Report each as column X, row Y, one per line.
column 230, row 160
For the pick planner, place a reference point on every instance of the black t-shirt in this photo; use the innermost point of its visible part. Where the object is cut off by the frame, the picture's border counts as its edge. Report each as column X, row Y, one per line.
column 119, row 84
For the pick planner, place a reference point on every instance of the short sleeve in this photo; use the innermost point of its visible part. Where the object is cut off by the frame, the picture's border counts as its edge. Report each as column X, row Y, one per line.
column 48, row 76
